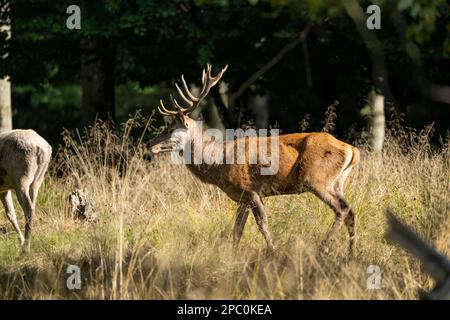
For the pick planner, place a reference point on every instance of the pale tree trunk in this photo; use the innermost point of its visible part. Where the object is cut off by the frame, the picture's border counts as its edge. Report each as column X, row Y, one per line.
column 5, row 90
column 379, row 73
column 215, row 120
column 259, row 104
column 5, row 105
column 377, row 125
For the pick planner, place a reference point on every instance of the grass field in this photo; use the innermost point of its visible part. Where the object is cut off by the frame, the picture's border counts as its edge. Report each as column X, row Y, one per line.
column 162, row 234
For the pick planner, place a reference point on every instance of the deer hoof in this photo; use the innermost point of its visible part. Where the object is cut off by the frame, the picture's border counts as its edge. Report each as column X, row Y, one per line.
column 26, row 247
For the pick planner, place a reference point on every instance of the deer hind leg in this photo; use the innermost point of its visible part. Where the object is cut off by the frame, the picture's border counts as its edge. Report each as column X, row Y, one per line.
column 28, row 207
column 350, row 218
column 7, row 201
column 350, row 222
column 261, row 219
column 21, row 185
column 341, row 210
column 241, row 219
column 37, row 181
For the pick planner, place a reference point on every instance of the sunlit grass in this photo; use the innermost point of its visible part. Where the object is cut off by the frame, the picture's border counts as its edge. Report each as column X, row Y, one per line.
column 162, row 234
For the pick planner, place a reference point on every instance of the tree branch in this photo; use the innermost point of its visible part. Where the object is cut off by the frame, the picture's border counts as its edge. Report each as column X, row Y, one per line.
column 436, row 92
column 291, row 45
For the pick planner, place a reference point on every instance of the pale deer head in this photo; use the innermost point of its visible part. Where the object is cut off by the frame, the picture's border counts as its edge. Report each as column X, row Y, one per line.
column 183, row 128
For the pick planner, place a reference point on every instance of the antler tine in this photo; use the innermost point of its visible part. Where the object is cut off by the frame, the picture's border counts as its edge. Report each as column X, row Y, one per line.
column 162, row 109
column 180, row 108
column 175, row 103
column 208, row 77
column 162, row 112
column 188, row 93
column 209, row 71
column 208, row 81
column 203, row 76
column 219, row 76
column 183, row 95
column 191, row 99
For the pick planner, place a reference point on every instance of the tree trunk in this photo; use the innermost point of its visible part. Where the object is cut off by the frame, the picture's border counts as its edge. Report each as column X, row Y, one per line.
column 5, row 105
column 377, row 126
column 5, row 90
column 260, row 107
column 97, row 76
column 223, row 111
column 214, row 118
column 380, row 73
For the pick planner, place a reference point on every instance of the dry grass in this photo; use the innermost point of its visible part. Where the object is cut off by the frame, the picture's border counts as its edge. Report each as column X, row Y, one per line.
column 164, row 235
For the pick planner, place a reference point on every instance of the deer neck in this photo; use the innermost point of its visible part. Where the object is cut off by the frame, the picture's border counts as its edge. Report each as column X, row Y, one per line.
column 201, row 143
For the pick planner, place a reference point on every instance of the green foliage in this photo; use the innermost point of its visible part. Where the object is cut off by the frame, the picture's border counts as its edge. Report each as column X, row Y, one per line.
column 47, row 109
column 424, row 15
column 155, row 41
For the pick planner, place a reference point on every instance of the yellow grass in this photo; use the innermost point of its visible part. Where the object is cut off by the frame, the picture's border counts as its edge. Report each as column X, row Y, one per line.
column 162, row 234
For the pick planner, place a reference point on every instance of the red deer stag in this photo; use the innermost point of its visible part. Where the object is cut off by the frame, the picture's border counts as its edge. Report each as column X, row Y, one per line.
column 307, row 162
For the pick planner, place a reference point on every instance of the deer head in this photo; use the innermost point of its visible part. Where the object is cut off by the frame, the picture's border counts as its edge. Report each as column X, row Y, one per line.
column 183, row 128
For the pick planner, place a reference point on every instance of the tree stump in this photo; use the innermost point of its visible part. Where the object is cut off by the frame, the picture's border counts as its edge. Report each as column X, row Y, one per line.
column 83, row 206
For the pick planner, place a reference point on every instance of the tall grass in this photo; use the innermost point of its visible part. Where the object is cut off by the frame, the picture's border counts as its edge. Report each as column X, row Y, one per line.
column 162, row 234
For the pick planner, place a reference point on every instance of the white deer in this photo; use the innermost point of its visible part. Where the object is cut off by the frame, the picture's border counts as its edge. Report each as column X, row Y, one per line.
column 24, row 159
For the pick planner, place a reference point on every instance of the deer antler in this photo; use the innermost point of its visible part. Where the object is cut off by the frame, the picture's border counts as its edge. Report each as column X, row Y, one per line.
column 208, row 81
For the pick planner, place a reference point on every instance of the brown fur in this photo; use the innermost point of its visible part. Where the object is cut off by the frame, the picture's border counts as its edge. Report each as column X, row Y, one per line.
column 304, row 166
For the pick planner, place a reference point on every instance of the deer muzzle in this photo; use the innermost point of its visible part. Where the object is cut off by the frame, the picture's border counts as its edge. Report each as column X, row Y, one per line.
column 164, row 143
